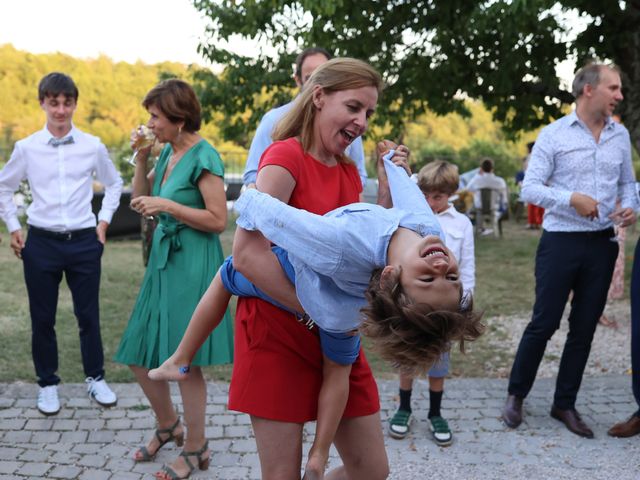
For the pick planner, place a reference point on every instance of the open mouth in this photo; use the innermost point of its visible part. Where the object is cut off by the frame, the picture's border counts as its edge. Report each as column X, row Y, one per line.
column 348, row 136
column 434, row 251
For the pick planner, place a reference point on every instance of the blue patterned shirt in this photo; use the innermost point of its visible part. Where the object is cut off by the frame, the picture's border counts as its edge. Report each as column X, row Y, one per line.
column 565, row 159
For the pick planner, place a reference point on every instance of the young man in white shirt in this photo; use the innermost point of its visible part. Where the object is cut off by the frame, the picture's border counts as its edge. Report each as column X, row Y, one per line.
column 59, row 163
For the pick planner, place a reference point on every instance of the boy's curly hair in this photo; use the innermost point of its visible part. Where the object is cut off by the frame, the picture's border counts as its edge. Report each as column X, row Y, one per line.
column 411, row 335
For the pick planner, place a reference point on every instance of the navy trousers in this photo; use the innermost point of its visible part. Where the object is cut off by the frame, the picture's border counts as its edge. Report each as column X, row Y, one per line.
column 578, row 262
column 635, row 326
column 46, row 258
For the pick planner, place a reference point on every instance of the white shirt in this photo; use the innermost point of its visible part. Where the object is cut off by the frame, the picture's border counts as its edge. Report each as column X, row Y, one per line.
column 488, row 180
column 61, row 182
column 458, row 231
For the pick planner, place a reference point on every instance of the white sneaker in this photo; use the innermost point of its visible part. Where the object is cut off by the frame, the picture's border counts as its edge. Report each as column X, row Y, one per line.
column 100, row 392
column 48, row 402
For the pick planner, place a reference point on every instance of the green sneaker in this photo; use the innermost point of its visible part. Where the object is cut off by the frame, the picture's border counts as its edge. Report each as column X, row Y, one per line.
column 440, row 431
column 399, row 424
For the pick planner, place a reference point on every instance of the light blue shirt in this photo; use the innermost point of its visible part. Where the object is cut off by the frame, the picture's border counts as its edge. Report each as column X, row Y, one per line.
column 566, row 158
column 262, row 139
column 334, row 255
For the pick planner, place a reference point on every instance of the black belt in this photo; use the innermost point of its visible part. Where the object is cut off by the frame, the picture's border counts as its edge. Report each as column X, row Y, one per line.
column 66, row 236
column 608, row 233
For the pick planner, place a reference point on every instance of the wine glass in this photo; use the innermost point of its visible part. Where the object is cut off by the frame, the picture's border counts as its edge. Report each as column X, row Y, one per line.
column 144, row 138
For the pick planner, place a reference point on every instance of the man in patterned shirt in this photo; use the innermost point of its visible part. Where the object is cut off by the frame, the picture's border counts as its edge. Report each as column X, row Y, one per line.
column 580, row 165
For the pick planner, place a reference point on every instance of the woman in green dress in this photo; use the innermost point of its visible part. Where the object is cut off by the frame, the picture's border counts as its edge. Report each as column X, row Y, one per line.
column 185, row 192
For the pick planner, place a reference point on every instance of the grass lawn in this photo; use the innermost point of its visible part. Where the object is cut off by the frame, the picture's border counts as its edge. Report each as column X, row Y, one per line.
column 504, row 287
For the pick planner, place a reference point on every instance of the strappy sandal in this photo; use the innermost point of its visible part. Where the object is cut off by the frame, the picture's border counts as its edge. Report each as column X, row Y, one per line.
column 146, row 456
column 203, row 464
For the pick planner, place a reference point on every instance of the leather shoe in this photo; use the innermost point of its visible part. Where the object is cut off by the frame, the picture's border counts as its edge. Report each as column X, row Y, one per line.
column 628, row 428
column 512, row 411
column 571, row 419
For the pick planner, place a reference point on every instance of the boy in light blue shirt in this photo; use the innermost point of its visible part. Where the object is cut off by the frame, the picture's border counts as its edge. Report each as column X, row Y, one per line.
column 384, row 271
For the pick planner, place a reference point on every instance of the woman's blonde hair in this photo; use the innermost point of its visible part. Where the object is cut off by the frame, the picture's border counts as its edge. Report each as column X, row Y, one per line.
column 333, row 76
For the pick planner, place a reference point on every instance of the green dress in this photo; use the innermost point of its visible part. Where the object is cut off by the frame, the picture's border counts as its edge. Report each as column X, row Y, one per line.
column 182, row 263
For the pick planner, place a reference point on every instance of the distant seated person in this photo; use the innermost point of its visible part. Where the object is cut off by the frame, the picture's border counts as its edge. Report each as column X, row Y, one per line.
column 487, row 179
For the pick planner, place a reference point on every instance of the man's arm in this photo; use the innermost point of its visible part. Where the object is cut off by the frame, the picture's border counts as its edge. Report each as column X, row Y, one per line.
column 467, row 260
column 541, row 165
column 261, row 140
column 107, row 174
column 10, row 177
column 355, row 151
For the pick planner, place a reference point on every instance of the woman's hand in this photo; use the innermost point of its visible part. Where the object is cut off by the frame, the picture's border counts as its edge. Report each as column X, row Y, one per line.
column 149, row 206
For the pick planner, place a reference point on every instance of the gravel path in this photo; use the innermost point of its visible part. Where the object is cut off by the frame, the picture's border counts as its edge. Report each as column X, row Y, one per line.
column 610, row 350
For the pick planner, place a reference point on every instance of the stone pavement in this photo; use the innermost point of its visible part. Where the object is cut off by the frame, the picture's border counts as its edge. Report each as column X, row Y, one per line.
column 86, row 442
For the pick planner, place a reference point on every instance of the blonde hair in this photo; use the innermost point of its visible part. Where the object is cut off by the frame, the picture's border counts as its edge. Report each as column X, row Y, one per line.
column 333, row 76
column 439, row 176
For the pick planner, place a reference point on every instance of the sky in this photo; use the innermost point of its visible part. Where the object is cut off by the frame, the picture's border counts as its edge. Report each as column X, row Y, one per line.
column 125, row 30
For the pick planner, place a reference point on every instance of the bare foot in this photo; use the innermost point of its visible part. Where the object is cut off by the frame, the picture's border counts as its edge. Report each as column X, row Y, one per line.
column 607, row 322
column 170, row 370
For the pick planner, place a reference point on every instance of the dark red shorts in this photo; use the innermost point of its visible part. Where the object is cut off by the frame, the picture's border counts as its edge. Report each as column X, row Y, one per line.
column 277, row 368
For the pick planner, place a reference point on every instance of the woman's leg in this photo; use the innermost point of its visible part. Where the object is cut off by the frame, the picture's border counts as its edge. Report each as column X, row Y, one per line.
column 279, row 448
column 160, row 399
column 194, row 399
column 361, row 446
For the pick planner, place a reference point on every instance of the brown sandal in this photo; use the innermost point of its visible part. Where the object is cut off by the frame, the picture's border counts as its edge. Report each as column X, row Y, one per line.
column 146, row 456
column 203, row 464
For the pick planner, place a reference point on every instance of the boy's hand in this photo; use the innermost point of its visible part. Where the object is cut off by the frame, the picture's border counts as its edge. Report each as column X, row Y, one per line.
column 17, row 243
column 400, row 158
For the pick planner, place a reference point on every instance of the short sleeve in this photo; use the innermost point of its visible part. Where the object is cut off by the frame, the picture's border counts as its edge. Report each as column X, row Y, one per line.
column 286, row 154
column 207, row 158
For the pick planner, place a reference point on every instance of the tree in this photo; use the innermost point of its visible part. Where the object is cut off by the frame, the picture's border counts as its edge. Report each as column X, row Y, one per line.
column 432, row 53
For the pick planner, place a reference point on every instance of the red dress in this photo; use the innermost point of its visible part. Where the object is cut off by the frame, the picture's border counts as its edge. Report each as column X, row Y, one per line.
column 277, row 369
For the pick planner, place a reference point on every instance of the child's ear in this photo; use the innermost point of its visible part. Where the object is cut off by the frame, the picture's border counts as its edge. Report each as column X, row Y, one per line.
column 388, row 275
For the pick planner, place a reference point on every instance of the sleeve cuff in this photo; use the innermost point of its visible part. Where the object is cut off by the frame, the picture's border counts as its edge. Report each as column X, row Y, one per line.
column 105, row 216
column 242, row 208
column 13, row 224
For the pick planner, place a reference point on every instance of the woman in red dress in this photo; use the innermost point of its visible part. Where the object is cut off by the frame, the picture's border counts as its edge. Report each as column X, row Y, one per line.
column 277, row 370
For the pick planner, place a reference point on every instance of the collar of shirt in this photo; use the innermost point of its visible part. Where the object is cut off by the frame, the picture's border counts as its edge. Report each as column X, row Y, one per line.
column 450, row 211
column 573, row 118
column 46, row 137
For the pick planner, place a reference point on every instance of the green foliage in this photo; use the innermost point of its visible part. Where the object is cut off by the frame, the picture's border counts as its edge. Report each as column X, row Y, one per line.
column 432, row 54
column 109, row 104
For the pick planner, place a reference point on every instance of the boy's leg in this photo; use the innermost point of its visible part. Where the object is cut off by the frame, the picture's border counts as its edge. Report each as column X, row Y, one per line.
column 438, row 425
column 399, row 425
column 42, row 274
column 209, row 313
column 82, row 271
column 332, row 400
column 206, row 317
